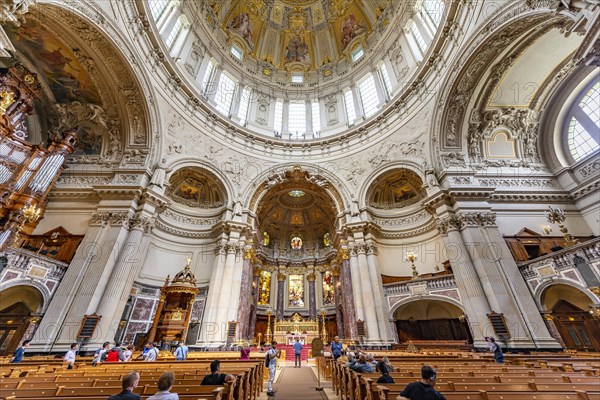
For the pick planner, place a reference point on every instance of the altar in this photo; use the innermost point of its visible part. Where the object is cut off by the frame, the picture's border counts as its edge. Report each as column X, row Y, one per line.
column 287, row 331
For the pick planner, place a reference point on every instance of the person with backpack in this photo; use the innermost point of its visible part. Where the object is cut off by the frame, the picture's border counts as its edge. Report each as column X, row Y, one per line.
column 181, row 352
column 115, row 354
column 152, row 353
column 100, row 354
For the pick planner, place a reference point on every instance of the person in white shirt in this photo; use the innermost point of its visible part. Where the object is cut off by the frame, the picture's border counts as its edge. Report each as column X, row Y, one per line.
column 272, row 355
column 70, row 356
column 152, row 353
column 128, row 352
column 181, row 352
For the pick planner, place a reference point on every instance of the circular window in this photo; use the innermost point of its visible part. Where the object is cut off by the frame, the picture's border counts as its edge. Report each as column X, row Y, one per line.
column 296, row 243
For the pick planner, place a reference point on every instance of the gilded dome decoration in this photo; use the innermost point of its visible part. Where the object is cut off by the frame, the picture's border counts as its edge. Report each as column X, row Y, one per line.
column 396, row 189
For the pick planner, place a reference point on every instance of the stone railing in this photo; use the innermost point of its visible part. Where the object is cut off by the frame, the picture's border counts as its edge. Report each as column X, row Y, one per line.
column 295, row 256
column 25, row 263
column 562, row 264
column 431, row 284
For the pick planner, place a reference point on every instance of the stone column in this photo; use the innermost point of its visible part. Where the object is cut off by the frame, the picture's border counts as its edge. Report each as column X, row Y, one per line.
column 348, row 296
column 357, row 107
column 381, row 93
column 553, row 329
column 476, row 305
column 498, row 255
column 209, row 329
column 222, row 314
column 236, row 282
column 255, row 294
column 280, row 289
column 213, row 85
column 286, row 117
column 312, row 300
column 121, row 279
column 367, row 289
column 246, row 300
column 381, row 306
column 84, row 282
column 338, row 300
column 356, row 284
column 235, row 106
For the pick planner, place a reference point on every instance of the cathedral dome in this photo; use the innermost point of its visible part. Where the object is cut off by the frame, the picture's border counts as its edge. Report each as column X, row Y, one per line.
column 299, row 69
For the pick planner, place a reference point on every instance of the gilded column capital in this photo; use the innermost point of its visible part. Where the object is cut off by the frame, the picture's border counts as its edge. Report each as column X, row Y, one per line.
column 281, row 276
column 311, row 277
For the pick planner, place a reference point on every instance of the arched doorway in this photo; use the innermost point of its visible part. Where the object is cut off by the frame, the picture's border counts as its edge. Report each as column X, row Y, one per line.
column 569, row 310
column 18, row 305
column 431, row 320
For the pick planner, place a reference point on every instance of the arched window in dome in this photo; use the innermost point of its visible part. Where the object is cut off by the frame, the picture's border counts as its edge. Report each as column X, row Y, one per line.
column 316, row 116
column 434, row 9
column 583, row 134
column 278, row 125
column 418, row 36
column 177, row 29
column 297, row 118
column 224, row 95
column 157, row 8
column 208, row 75
column 387, row 82
column 244, row 106
column 368, row 95
column 349, row 106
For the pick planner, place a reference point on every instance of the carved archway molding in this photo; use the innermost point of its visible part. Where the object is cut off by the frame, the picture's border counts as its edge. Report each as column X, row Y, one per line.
column 377, row 173
column 394, row 307
column 542, row 287
column 320, row 177
column 33, row 283
column 489, row 43
column 126, row 86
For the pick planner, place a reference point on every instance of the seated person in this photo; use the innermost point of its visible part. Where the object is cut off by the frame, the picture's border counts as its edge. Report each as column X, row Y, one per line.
column 422, row 390
column 362, row 365
column 343, row 358
column 387, row 363
column 215, row 378
column 385, row 375
column 165, row 384
column 371, row 360
column 130, row 382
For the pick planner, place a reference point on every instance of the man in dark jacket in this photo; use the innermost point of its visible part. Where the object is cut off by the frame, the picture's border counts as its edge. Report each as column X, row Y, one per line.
column 130, row 382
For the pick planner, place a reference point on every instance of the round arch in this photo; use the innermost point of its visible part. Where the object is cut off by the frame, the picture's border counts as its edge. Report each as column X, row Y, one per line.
column 133, row 94
column 430, row 297
column 192, row 162
column 543, row 288
column 40, row 293
column 412, row 166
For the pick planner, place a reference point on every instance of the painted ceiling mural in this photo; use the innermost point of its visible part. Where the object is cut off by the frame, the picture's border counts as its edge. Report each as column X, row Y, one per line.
column 58, row 66
column 306, row 32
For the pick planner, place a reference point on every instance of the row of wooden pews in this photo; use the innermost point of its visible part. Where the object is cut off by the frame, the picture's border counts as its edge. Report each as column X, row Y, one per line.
column 462, row 378
column 93, row 383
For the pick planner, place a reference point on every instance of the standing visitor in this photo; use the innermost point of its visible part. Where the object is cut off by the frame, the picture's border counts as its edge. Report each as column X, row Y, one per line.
column 495, row 348
column 152, row 353
column 272, row 355
column 128, row 352
column 20, row 352
column 298, row 353
column 70, row 356
column 115, row 354
column 336, row 348
column 245, row 351
column 181, row 352
column 100, row 354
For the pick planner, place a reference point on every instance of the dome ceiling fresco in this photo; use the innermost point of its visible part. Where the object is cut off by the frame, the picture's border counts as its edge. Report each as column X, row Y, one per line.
column 299, row 34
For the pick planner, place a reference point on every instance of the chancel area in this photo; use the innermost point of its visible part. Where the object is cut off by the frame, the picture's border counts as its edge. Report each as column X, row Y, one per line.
column 408, row 176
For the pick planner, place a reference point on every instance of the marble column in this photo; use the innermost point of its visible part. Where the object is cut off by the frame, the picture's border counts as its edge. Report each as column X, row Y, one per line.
column 476, row 304
column 312, row 300
column 255, row 295
column 209, row 328
column 280, row 292
column 348, row 298
column 81, row 289
column 236, row 282
column 222, row 314
column 553, row 329
column 338, row 301
column 246, row 300
column 121, row 280
column 381, row 306
column 367, row 289
column 497, row 252
column 356, row 284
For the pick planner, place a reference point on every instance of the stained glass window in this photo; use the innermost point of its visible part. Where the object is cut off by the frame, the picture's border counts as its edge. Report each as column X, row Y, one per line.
column 296, row 243
column 296, row 291
column 328, row 291
column 296, row 193
column 264, row 283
